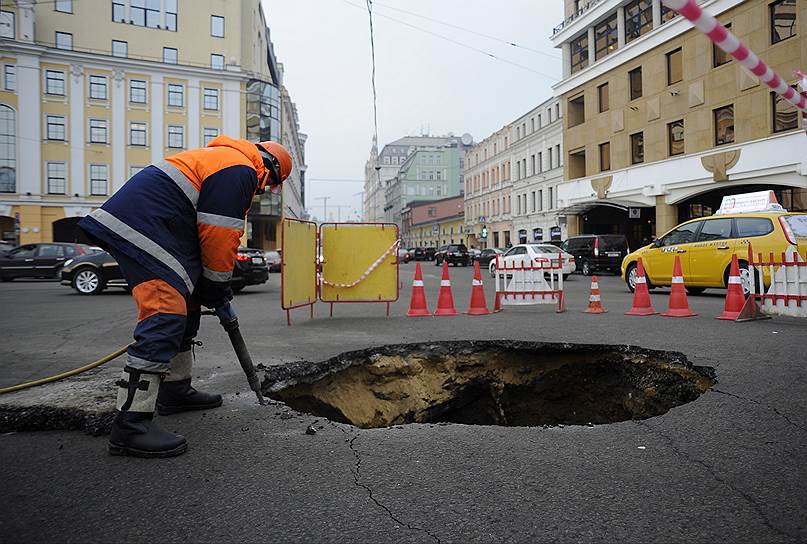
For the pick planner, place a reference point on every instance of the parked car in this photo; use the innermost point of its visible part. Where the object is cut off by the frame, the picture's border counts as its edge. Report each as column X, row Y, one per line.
column 430, row 252
column 41, row 260
column 419, row 254
column 596, row 252
column 473, row 253
column 537, row 253
column 92, row 273
column 456, row 254
column 274, row 261
column 556, row 243
column 403, row 255
column 5, row 247
column 487, row 255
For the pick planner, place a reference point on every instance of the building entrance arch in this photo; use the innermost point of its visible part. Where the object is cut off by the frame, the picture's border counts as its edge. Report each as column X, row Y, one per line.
column 7, row 231
column 637, row 226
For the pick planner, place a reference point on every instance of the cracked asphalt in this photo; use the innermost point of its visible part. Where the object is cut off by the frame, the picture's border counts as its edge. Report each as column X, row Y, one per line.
column 729, row 466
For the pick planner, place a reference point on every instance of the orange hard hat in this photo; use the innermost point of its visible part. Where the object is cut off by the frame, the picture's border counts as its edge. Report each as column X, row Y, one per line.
column 277, row 161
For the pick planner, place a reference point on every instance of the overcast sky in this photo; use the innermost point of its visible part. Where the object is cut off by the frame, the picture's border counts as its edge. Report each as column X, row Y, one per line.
column 424, row 83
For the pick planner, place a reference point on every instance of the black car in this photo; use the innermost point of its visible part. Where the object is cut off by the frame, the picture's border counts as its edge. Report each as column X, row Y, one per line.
column 596, row 252
column 488, row 255
column 41, row 260
column 430, row 251
column 456, row 254
column 91, row 274
column 419, row 254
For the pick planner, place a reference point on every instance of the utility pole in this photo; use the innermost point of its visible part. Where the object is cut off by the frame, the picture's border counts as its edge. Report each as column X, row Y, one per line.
column 339, row 211
column 325, row 204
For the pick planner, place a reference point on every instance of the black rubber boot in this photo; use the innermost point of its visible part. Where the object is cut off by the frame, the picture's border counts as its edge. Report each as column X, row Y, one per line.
column 133, row 429
column 180, row 396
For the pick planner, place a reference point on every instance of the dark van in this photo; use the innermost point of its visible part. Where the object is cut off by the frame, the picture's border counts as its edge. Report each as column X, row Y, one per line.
column 597, row 252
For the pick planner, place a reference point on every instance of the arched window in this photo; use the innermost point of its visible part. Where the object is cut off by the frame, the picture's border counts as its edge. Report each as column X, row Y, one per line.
column 8, row 150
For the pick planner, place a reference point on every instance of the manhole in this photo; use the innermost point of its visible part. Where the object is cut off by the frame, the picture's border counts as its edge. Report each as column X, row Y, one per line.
column 490, row 383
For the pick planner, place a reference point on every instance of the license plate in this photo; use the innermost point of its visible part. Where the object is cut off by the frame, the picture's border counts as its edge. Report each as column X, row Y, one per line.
column 613, row 254
column 257, row 260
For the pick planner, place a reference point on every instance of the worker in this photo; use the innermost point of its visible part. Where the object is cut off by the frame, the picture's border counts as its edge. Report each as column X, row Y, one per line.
column 174, row 228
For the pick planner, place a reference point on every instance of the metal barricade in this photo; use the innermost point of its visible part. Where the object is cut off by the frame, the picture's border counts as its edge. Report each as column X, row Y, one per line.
column 529, row 282
column 787, row 294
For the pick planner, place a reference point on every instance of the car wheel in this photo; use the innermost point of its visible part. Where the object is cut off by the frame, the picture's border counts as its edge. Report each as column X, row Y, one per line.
column 695, row 290
column 493, row 271
column 87, row 281
column 436, row 262
column 746, row 277
column 586, row 268
column 630, row 277
column 237, row 288
column 566, row 277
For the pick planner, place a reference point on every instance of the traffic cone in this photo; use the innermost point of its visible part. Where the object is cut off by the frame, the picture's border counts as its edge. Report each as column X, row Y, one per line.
column 418, row 306
column 679, row 306
column 445, row 302
column 735, row 300
column 594, row 303
column 641, row 295
column 478, row 304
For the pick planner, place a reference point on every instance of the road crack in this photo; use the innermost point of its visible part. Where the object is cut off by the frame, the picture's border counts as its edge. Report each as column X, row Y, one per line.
column 764, row 405
column 356, row 471
column 752, row 502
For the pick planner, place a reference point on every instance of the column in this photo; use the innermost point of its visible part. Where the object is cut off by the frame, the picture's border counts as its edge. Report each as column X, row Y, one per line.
column 231, row 109
column 77, row 122
column 572, row 225
column 566, row 54
column 193, row 113
column 666, row 215
column 620, row 27
column 118, row 173
column 157, row 115
column 656, row 13
column 29, row 126
column 592, row 49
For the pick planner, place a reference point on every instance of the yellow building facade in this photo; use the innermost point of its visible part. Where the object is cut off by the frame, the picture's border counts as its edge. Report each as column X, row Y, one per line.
column 448, row 230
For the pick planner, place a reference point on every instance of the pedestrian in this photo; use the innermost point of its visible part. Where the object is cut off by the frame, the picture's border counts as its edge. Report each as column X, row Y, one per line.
column 175, row 228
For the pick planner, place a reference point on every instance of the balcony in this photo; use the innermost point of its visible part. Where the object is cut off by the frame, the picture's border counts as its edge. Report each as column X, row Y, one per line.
column 586, row 7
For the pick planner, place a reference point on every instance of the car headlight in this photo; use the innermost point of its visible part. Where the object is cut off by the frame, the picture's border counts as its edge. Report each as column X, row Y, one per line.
column 68, row 262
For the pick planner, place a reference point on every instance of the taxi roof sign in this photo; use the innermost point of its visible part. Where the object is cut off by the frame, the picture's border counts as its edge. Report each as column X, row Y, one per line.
column 760, row 201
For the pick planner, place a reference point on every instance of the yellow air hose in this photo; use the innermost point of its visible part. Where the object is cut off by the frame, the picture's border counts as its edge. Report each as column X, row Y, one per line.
column 67, row 374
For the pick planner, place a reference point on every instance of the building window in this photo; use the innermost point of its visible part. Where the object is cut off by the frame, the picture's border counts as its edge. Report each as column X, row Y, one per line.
column 637, row 148
column 152, row 12
column 551, row 198
column 118, row 11
column 57, row 176
column 137, row 91
column 605, row 38
column 55, row 127
column 557, row 153
column 209, row 134
column 176, row 95
column 54, row 82
column 540, row 162
column 64, row 40
column 579, row 51
column 10, row 77
column 137, row 134
column 98, row 87
column 7, row 24
column 724, row 125
column 138, row 12
column 577, row 163
column 217, row 26
column 8, row 150
column 217, row 61
column 176, row 136
column 635, row 81
column 667, row 14
column 720, row 57
column 675, row 69
column 602, row 97
column 65, row 6
column 120, row 49
column 605, row 156
column 785, row 115
column 170, row 55
column 211, row 100
column 638, row 19
column 675, row 137
column 98, row 131
column 134, row 170
column 98, row 180
column 783, row 20
column 576, row 111
column 171, row 15
column 549, row 157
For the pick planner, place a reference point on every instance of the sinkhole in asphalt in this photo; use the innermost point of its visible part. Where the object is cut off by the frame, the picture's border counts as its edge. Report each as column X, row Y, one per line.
column 490, row 383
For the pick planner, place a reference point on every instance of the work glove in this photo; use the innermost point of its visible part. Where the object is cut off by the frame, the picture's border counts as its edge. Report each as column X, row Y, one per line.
column 213, row 294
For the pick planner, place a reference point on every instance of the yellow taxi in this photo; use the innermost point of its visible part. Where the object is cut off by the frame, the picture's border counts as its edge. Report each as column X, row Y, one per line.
column 705, row 245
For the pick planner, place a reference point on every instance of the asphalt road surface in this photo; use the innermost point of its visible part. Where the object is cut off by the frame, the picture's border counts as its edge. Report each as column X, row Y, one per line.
column 729, row 466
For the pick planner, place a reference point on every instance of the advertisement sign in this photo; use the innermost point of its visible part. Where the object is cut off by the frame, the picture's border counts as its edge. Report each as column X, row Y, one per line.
column 537, row 234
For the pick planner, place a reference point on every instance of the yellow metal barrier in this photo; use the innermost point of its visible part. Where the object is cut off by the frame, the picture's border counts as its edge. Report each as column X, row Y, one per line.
column 298, row 273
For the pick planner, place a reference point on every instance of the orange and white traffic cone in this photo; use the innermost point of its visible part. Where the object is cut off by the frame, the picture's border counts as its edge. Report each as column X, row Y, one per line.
column 679, row 305
column 734, row 295
column 594, row 302
column 641, row 295
column 479, row 305
column 418, row 306
column 445, row 302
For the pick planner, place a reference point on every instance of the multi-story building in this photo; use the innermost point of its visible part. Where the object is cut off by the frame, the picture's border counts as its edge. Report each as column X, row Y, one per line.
column 91, row 92
column 294, row 141
column 488, row 185
column 660, row 124
column 537, row 153
column 435, row 223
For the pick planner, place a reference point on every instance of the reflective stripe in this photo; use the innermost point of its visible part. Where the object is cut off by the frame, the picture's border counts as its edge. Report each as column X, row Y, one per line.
column 677, row 279
column 219, row 220
column 217, row 276
column 735, row 279
column 445, row 283
column 147, row 366
column 640, row 279
column 476, row 282
column 595, row 285
column 180, row 179
column 143, row 242
column 417, row 283
column 594, row 298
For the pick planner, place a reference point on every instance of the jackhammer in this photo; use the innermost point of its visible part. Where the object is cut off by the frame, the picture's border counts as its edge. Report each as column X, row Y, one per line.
column 229, row 321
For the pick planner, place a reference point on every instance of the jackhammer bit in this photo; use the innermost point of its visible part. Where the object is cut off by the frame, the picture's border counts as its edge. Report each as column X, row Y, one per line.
column 229, row 321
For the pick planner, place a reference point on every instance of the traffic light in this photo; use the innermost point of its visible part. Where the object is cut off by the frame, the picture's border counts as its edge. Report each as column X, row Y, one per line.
column 484, row 232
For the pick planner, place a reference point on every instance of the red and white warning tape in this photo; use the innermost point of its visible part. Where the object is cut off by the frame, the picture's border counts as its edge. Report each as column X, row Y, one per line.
column 729, row 43
column 373, row 266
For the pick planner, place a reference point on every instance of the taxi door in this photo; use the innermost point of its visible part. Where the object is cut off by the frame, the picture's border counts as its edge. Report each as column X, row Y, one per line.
column 711, row 254
column 659, row 258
